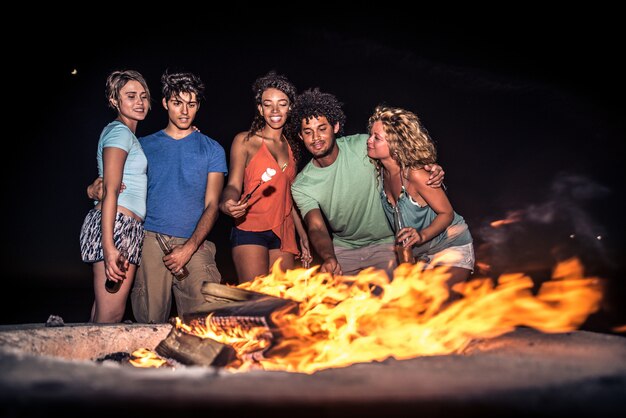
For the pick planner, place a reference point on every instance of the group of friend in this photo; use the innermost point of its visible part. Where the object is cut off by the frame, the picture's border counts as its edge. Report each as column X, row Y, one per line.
column 171, row 183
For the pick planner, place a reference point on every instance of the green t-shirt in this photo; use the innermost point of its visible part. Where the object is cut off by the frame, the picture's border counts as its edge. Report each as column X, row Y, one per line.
column 347, row 194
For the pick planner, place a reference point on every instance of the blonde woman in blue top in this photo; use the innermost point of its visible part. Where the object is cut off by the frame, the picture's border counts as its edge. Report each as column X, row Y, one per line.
column 400, row 148
column 116, row 222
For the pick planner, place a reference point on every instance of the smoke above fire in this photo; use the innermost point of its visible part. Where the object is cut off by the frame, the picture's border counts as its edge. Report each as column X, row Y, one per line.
column 534, row 238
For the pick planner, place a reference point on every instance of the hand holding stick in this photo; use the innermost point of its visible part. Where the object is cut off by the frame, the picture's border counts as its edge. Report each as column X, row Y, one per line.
column 265, row 177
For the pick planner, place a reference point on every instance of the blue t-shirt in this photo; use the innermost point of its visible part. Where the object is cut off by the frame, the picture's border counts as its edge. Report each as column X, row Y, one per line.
column 177, row 180
column 117, row 135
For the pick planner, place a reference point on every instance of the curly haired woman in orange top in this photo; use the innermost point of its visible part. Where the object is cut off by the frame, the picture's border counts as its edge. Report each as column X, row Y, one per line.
column 266, row 223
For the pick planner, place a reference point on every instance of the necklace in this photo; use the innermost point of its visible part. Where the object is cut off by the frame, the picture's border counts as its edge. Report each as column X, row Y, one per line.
column 282, row 136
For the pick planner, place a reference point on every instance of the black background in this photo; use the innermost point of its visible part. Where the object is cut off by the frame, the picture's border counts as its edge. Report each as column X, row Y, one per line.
column 511, row 102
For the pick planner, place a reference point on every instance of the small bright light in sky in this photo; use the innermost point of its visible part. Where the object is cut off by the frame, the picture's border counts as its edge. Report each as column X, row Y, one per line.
column 74, row 71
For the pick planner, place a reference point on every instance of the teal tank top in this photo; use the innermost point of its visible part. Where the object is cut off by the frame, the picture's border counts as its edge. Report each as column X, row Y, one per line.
column 419, row 217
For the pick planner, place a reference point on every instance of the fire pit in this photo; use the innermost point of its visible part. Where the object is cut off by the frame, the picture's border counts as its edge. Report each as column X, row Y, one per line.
column 76, row 342
column 350, row 348
column 520, row 373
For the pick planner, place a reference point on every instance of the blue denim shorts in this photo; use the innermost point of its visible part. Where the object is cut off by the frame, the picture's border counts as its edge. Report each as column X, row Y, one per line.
column 128, row 232
column 266, row 239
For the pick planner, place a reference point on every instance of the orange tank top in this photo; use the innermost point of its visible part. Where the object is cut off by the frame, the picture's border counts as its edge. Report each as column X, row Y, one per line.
column 271, row 204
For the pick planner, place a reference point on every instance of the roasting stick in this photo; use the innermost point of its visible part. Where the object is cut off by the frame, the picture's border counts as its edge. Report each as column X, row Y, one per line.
column 265, row 177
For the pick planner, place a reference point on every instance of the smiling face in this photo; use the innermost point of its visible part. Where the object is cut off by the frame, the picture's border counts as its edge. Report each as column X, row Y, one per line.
column 319, row 138
column 274, row 107
column 133, row 101
column 181, row 109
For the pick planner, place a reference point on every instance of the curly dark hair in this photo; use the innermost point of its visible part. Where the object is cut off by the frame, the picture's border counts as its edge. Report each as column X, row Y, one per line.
column 272, row 80
column 313, row 104
column 176, row 83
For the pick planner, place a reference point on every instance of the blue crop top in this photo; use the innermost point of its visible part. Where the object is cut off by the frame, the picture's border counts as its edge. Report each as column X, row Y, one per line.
column 118, row 135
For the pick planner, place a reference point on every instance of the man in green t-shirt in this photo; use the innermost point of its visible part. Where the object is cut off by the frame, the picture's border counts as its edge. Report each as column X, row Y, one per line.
column 339, row 186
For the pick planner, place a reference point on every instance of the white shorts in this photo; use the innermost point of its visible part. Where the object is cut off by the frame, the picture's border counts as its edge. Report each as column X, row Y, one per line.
column 460, row 256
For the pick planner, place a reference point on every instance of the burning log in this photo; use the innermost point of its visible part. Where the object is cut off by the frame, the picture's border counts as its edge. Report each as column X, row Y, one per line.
column 241, row 317
column 193, row 350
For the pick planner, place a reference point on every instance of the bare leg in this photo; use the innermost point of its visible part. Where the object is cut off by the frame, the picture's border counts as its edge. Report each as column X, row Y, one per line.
column 250, row 261
column 109, row 307
column 457, row 275
column 288, row 259
column 93, row 312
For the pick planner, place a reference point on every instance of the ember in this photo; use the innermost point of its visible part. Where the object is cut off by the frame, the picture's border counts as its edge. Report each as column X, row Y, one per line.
column 344, row 320
column 146, row 358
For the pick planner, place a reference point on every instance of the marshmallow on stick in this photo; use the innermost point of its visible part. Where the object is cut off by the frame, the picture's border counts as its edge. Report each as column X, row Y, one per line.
column 265, row 177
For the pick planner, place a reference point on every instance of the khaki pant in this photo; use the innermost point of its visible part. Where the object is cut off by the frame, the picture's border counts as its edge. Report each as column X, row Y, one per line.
column 151, row 296
column 379, row 256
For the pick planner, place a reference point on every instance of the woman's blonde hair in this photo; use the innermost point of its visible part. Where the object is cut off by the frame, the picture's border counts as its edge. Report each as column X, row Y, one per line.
column 118, row 79
column 409, row 143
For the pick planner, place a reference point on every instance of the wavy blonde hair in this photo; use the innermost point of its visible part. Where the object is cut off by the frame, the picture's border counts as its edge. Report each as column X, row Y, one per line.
column 409, row 143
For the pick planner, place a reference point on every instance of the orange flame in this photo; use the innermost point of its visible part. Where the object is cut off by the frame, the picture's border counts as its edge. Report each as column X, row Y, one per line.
column 501, row 222
column 146, row 358
column 621, row 328
column 249, row 340
column 350, row 319
column 511, row 219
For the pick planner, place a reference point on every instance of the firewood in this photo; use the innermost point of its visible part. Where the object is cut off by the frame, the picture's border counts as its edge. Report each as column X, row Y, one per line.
column 227, row 308
column 192, row 350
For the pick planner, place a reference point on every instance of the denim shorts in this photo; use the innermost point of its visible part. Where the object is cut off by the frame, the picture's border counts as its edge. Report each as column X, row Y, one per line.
column 128, row 232
column 266, row 239
column 459, row 256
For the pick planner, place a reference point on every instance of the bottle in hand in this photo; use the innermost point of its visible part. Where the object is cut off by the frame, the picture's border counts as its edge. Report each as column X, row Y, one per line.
column 112, row 286
column 403, row 254
column 167, row 249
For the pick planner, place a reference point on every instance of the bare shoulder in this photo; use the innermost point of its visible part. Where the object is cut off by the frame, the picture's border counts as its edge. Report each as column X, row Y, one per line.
column 240, row 138
column 417, row 175
column 250, row 141
column 245, row 146
column 241, row 142
column 418, row 179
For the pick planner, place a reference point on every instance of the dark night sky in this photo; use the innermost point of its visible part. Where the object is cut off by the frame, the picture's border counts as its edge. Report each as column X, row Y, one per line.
column 509, row 105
